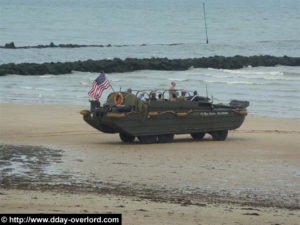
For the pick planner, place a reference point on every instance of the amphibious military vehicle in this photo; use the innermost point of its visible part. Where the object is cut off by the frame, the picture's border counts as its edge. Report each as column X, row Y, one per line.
column 158, row 120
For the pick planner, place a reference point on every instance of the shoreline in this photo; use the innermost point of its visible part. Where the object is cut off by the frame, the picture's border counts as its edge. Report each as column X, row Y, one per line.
column 256, row 167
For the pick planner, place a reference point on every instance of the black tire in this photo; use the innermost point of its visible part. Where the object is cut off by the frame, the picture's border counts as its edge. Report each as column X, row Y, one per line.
column 165, row 138
column 197, row 136
column 219, row 135
column 126, row 138
column 149, row 139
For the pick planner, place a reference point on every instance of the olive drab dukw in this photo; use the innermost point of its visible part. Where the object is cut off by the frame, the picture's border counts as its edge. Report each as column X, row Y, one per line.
column 158, row 121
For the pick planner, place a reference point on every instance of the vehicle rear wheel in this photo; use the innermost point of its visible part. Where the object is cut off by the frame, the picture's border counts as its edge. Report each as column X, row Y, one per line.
column 197, row 136
column 164, row 138
column 149, row 139
column 219, row 135
column 126, row 138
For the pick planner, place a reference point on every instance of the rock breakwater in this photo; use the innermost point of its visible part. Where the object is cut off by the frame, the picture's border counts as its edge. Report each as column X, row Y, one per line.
column 133, row 64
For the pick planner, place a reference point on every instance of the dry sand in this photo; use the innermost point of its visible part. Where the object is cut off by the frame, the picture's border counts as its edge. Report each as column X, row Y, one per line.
column 251, row 178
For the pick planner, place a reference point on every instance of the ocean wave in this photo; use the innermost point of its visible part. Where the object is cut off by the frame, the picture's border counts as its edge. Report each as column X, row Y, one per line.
column 115, row 80
column 264, row 101
column 274, row 78
column 277, row 83
column 246, row 72
column 47, row 76
column 44, row 89
column 291, row 74
column 279, row 78
column 26, row 87
column 290, row 97
column 286, row 91
column 136, row 77
column 242, row 82
column 280, row 41
column 232, row 82
column 178, row 79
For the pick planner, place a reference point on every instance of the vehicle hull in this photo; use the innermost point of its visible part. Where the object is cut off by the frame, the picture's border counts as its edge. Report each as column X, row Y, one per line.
column 139, row 124
column 159, row 121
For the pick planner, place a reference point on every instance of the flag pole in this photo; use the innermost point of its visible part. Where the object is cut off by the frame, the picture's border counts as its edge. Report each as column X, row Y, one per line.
column 108, row 81
column 111, row 86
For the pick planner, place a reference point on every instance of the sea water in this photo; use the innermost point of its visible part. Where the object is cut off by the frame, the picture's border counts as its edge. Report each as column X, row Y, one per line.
column 157, row 28
column 272, row 91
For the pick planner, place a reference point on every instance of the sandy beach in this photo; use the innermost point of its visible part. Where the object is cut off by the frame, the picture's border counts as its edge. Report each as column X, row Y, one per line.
column 53, row 162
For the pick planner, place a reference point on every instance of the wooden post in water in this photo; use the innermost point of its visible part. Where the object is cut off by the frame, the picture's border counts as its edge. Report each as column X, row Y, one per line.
column 205, row 22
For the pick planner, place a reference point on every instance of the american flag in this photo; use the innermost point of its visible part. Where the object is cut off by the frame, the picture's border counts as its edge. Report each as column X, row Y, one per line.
column 99, row 85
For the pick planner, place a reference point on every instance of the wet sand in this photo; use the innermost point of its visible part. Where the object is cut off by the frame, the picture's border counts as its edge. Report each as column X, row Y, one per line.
column 253, row 176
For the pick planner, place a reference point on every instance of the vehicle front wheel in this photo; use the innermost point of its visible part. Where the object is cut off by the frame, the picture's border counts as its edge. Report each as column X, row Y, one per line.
column 149, row 139
column 219, row 135
column 126, row 138
column 197, row 136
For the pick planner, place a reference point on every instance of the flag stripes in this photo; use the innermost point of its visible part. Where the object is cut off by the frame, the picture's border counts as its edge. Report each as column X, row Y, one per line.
column 99, row 85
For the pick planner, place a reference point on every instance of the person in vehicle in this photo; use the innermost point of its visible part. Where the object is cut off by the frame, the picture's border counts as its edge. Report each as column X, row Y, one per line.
column 172, row 91
column 182, row 98
column 142, row 96
column 153, row 96
column 197, row 98
column 174, row 97
column 160, row 97
column 130, row 99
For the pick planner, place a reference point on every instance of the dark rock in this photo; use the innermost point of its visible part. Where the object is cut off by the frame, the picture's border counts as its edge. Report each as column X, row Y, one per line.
column 10, row 45
column 133, row 64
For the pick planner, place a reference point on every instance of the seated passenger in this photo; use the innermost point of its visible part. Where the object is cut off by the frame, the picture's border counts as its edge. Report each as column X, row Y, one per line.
column 160, row 97
column 130, row 99
column 174, row 97
column 153, row 97
column 142, row 96
column 197, row 98
column 182, row 98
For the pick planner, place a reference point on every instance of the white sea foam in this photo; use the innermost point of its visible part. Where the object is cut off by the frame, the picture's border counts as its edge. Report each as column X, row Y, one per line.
column 44, row 89
column 27, row 87
column 115, row 80
column 251, row 72
column 291, row 74
column 178, row 79
column 47, row 76
column 242, row 82
column 232, row 82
